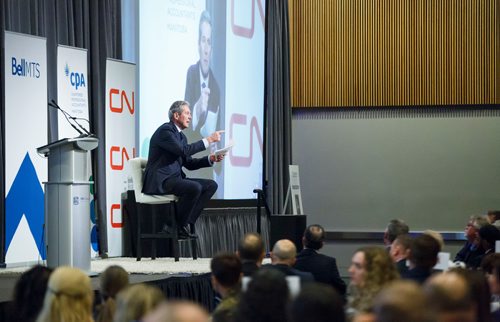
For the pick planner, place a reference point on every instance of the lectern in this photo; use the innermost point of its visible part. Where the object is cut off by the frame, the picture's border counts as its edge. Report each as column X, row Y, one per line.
column 67, row 202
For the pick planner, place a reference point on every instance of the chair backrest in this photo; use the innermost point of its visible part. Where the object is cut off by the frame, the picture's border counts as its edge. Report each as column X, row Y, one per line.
column 137, row 166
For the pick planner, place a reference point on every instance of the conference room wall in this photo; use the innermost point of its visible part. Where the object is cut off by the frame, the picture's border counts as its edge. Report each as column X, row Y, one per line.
column 432, row 172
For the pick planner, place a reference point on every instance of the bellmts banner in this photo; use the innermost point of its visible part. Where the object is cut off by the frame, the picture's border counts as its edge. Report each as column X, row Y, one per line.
column 72, row 96
column 120, row 144
column 25, row 130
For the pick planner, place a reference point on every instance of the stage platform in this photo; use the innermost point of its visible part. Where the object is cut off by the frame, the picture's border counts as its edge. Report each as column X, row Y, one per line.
column 186, row 279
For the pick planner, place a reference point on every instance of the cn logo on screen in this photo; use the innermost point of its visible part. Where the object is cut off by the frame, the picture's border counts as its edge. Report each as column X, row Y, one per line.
column 120, row 99
column 76, row 79
column 25, row 68
column 118, row 156
column 238, row 27
column 240, row 120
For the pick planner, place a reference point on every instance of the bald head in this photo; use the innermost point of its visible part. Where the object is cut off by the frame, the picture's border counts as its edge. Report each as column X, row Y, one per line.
column 284, row 252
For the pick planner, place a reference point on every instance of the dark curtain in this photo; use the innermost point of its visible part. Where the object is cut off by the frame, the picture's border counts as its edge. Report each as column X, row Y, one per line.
column 278, row 127
column 91, row 24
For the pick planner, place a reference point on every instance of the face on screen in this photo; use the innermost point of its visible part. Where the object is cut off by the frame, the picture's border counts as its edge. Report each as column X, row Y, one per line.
column 205, row 46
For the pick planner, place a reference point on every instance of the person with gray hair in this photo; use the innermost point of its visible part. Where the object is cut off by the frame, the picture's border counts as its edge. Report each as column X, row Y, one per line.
column 169, row 151
column 395, row 228
column 283, row 258
column 471, row 248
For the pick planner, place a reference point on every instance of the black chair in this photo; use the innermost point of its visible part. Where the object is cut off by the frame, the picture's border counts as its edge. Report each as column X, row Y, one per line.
column 144, row 202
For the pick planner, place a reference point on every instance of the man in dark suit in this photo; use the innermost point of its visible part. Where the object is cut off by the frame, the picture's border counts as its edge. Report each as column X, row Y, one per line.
column 168, row 153
column 283, row 258
column 251, row 251
column 324, row 268
column 202, row 89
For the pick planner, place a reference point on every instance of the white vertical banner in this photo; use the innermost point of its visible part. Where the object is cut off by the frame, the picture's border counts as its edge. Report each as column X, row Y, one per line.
column 72, row 92
column 25, row 130
column 72, row 97
column 120, row 144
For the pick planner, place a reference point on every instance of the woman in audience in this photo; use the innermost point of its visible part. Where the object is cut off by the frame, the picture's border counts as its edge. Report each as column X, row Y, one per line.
column 265, row 299
column 112, row 281
column 134, row 302
column 69, row 297
column 371, row 269
column 491, row 266
column 30, row 288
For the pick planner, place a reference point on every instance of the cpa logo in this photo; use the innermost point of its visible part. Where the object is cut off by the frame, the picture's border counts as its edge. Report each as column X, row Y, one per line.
column 25, row 68
column 75, row 78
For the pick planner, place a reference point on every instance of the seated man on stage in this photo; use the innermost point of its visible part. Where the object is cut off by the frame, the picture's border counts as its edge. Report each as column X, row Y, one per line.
column 168, row 153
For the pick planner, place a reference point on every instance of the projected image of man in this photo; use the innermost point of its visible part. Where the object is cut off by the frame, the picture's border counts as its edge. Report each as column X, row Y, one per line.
column 169, row 151
column 202, row 89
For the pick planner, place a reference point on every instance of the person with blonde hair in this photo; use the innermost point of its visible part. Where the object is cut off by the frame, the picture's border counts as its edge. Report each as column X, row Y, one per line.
column 371, row 269
column 69, row 297
column 136, row 301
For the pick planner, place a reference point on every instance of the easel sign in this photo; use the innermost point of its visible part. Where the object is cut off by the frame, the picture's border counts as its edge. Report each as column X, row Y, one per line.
column 294, row 190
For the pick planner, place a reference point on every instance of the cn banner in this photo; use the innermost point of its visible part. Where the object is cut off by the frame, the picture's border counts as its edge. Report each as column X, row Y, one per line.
column 25, row 130
column 72, row 97
column 120, row 144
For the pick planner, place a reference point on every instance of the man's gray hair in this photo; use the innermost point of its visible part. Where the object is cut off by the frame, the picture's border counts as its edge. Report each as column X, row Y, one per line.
column 395, row 228
column 176, row 108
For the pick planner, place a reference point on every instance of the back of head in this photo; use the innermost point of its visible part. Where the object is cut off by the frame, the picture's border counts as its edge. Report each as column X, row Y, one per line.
column 69, row 296
column 251, row 247
column 226, row 268
column 265, row 299
column 424, row 251
column 401, row 301
column 185, row 311
column 314, row 236
column 30, row 288
column 395, row 228
column 437, row 236
column 113, row 280
column 490, row 234
column 284, row 251
column 450, row 297
column 136, row 301
column 319, row 303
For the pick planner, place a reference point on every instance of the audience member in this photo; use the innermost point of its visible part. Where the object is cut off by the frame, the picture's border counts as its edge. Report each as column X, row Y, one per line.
column 28, row 294
column 423, row 257
column 226, row 281
column 471, row 249
column 323, row 268
column 402, row 301
column 494, row 217
column 283, row 258
column 185, row 311
column 437, row 236
column 319, row 303
column 112, row 281
column 450, row 298
column 400, row 250
column 69, row 297
column 371, row 269
column 395, row 228
column 265, row 299
column 134, row 302
column 491, row 266
column 488, row 235
column 251, row 251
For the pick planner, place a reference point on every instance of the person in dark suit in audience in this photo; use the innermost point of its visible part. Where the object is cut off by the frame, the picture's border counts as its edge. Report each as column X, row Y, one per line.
column 169, row 151
column 400, row 249
column 251, row 251
column 423, row 257
column 283, row 258
column 323, row 268
column 488, row 235
column 471, row 248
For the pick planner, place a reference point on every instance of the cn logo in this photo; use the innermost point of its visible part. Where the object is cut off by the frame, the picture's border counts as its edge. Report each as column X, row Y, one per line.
column 115, row 208
column 243, row 31
column 118, row 156
column 113, row 99
column 253, row 128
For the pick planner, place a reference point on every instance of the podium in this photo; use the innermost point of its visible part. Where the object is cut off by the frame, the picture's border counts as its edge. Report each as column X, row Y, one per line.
column 67, row 202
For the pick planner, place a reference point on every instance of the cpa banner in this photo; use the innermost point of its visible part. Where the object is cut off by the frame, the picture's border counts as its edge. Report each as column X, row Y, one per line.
column 25, row 130
column 72, row 97
column 120, row 144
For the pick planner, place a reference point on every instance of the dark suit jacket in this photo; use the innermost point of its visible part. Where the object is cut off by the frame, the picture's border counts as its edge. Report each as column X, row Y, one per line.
column 323, row 268
column 168, row 153
column 193, row 91
column 248, row 268
column 305, row 277
column 417, row 274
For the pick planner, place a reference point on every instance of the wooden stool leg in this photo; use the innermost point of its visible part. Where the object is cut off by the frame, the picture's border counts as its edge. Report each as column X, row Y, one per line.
column 175, row 237
column 138, row 243
column 154, row 210
column 194, row 243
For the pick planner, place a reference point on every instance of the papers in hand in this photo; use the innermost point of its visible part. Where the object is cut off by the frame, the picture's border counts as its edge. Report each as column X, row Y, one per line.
column 225, row 149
